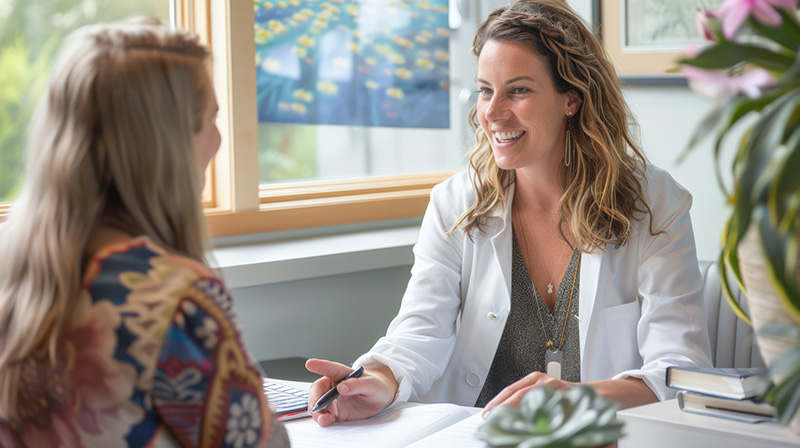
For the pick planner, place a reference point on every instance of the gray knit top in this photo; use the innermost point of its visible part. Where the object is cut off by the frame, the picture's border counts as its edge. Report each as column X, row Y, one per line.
column 523, row 343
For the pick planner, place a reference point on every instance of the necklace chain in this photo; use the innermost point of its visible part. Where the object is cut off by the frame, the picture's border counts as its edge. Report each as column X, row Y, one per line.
column 550, row 342
column 539, row 253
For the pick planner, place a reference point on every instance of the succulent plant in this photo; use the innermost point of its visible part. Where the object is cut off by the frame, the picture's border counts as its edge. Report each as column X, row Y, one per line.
column 577, row 417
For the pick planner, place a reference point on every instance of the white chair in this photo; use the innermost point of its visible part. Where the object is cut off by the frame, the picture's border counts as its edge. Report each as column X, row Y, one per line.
column 732, row 343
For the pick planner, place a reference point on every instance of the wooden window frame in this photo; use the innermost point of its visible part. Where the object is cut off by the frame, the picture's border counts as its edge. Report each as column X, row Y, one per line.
column 243, row 205
column 235, row 201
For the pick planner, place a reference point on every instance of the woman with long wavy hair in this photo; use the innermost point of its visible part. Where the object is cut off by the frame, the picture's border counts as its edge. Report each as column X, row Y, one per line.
column 113, row 329
column 558, row 257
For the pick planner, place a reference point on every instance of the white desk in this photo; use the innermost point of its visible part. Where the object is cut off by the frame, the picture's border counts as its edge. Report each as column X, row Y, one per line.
column 665, row 425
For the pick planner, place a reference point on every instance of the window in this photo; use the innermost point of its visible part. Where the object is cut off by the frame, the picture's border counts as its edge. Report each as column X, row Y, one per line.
column 278, row 176
column 31, row 32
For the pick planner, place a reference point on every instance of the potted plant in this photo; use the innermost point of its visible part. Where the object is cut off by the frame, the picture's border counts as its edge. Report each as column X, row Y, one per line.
column 752, row 66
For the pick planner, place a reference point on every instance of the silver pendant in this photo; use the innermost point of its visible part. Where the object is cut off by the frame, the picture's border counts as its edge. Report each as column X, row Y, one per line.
column 552, row 362
column 550, row 288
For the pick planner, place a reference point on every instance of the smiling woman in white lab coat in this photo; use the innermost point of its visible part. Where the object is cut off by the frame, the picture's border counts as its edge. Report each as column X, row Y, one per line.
column 496, row 305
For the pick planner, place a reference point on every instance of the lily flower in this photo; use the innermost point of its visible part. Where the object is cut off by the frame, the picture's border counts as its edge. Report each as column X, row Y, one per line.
column 701, row 20
column 719, row 84
column 735, row 12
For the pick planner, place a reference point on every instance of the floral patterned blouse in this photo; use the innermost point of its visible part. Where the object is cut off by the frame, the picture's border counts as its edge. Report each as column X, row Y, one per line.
column 153, row 357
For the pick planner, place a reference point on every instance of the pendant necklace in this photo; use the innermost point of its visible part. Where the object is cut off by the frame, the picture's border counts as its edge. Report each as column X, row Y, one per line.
column 553, row 357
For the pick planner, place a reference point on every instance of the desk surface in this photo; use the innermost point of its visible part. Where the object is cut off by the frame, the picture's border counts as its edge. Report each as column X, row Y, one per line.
column 665, row 425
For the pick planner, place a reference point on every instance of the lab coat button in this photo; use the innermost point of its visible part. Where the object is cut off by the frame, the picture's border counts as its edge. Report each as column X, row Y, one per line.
column 473, row 379
column 492, row 316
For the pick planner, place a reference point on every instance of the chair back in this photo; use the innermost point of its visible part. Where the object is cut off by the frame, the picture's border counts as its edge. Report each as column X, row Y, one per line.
column 732, row 343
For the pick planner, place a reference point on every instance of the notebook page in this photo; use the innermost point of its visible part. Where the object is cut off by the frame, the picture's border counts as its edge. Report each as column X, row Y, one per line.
column 461, row 434
column 393, row 428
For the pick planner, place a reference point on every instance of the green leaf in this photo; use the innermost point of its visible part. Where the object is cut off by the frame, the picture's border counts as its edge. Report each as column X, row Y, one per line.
column 736, row 108
column 786, row 35
column 786, row 395
column 726, row 54
column 756, row 153
column 729, row 260
column 786, row 185
column 776, row 250
column 792, row 75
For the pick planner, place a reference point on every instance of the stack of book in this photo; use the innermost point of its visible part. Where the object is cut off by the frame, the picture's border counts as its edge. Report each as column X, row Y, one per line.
column 727, row 393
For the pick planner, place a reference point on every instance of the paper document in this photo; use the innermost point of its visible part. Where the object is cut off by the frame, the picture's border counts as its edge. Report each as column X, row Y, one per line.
column 396, row 427
column 461, row 435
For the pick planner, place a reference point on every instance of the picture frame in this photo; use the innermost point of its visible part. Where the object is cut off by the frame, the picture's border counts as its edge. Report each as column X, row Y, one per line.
column 636, row 66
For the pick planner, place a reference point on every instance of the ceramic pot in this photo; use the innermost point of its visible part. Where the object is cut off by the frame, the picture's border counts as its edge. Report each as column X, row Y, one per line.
column 764, row 304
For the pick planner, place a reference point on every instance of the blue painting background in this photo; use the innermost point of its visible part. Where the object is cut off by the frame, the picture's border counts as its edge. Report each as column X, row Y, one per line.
column 353, row 62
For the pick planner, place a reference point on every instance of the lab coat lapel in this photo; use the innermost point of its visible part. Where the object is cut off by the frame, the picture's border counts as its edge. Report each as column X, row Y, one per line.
column 500, row 238
column 590, row 275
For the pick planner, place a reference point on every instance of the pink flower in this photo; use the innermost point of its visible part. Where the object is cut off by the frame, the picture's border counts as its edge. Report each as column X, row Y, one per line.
column 735, row 12
column 701, row 20
column 718, row 83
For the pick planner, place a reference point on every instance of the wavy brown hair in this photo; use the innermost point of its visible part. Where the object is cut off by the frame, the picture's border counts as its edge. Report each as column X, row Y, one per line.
column 112, row 143
column 602, row 187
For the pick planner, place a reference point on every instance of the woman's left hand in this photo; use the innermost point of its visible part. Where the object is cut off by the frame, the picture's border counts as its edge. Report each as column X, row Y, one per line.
column 512, row 395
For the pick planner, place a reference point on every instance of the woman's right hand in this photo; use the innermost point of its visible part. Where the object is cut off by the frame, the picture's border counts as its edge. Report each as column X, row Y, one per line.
column 359, row 398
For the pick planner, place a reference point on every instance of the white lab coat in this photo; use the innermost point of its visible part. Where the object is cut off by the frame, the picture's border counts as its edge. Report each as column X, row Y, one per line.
column 641, row 306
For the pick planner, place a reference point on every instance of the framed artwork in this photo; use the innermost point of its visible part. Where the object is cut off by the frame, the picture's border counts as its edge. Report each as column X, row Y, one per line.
column 645, row 38
column 353, row 62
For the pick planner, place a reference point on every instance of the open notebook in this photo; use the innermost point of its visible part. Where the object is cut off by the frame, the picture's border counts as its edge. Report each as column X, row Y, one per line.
column 404, row 424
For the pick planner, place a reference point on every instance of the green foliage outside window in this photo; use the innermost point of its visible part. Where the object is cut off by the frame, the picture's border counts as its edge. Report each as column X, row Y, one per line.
column 31, row 32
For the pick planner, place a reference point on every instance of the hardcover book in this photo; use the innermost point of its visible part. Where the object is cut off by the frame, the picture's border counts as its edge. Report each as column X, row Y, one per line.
column 746, row 410
column 720, row 382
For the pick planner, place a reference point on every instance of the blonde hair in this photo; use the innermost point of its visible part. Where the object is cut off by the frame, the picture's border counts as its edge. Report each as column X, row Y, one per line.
column 112, row 141
column 602, row 187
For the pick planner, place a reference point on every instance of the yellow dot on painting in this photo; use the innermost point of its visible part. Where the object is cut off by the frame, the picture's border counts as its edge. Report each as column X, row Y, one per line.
column 352, row 10
column 268, row 5
column 442, row 32
column 302, row 52
column 372, row 85
column 299, row 108
column 282, row 5
column 425, row 63
column 303, row 95
column 371, row 61
column 397, row 59
column 294, row 2
column 441, row 9
column 383, row 49
column 354, row 47
column 442, row 55
column 402, row 73
column 327, row 87
column 395, row 93
column 414, row 15
column 305, row 41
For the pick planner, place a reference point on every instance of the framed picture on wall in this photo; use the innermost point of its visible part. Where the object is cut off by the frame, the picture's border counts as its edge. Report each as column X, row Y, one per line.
column 645, row 38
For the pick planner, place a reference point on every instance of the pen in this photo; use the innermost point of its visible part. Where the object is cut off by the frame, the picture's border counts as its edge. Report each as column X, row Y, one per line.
column 328, row 397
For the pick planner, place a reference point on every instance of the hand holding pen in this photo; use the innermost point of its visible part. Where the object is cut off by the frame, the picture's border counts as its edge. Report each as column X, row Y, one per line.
column 333, row 393
column 360, row 396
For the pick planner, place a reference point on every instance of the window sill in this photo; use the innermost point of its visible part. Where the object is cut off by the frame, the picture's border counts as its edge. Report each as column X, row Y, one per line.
column 281, row 261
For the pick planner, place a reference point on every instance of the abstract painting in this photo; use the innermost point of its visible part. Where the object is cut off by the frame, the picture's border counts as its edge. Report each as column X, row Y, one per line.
column 353, row 62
